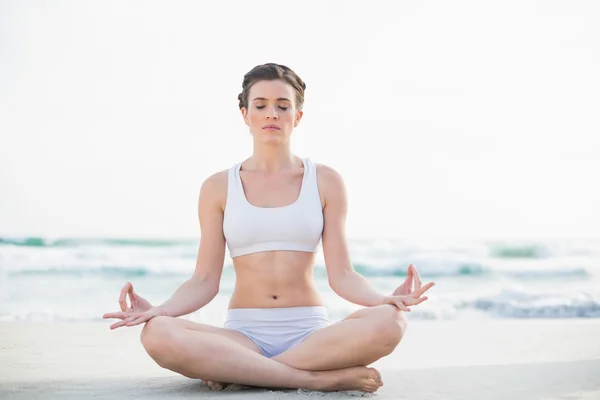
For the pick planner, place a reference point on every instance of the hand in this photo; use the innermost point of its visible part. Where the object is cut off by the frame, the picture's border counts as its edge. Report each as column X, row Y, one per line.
column 404, row 295
column 139, row 307
column 138, row 303
column 132, row 318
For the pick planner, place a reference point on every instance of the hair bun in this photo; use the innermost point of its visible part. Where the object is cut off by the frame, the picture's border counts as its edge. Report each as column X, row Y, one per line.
column 271, row 71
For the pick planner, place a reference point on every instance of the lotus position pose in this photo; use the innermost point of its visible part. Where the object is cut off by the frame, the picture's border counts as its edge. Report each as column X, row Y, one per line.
column 271, row 211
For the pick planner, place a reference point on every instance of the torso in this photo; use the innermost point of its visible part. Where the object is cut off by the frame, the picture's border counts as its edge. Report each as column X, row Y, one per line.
column 276, row 278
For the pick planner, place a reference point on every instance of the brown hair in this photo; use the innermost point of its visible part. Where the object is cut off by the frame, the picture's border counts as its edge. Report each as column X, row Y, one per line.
column 271, row 72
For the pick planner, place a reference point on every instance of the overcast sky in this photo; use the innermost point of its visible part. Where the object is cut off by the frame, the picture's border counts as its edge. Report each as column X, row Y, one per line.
column 453, row 119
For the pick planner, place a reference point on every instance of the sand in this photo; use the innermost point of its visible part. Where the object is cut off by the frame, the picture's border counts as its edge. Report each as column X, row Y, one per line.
column 497, row 359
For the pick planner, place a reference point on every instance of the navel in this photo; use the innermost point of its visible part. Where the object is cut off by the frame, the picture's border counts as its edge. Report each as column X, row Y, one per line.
column 274, row 297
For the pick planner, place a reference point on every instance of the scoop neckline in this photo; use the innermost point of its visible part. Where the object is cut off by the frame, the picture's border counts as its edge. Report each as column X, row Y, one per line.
column 239, row 180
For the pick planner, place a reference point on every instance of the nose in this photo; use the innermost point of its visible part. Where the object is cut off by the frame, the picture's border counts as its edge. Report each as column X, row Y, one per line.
column 272, row 113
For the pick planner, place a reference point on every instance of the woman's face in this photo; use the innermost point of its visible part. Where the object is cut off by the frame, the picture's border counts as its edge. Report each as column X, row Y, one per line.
column 271, row 114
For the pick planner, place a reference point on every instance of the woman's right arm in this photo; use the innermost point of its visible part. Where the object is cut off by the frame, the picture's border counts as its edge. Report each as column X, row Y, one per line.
column 203, row 286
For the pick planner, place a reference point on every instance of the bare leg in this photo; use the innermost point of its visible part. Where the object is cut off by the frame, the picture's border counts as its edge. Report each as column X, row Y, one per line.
column 362, row 338
column 227, row 333
column 217, row 358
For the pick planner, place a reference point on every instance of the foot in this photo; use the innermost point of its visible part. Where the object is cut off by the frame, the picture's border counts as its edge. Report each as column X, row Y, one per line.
column 216, row 386
column 354, row 378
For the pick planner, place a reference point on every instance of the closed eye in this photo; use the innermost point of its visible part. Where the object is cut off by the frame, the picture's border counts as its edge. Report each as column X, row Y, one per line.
column 261, row 107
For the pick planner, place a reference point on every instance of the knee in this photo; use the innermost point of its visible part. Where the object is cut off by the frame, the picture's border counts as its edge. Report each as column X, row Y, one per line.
column 389, row 327
column 155, row 337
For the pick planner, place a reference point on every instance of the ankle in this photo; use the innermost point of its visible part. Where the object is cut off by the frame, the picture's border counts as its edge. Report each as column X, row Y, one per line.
column 316, row 380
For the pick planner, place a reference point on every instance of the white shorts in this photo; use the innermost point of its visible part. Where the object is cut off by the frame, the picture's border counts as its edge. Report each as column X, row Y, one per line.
column 275, row 330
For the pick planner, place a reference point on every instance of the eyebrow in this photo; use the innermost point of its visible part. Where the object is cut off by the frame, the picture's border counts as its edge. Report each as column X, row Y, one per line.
column 279, row 99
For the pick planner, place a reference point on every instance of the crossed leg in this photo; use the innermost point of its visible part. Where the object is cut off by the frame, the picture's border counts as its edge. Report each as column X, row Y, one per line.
column 228, row 334
column 362, row 338
column 333, row 358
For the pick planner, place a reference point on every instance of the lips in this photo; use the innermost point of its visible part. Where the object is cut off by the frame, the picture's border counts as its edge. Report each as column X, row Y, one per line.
column 272, row 127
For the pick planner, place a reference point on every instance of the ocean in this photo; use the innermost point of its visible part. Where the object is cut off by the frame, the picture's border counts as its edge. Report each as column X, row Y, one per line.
column 80, row 279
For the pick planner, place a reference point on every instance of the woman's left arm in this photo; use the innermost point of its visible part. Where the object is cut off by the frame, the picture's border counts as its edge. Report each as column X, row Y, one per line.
column 343, row 279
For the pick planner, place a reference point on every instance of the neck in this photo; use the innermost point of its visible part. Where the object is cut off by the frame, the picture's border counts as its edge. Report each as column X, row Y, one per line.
column 271, row 158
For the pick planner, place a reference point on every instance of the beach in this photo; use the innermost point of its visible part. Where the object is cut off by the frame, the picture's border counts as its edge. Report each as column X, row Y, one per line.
column 425, row 133
column 459, row 359
column 506, row 320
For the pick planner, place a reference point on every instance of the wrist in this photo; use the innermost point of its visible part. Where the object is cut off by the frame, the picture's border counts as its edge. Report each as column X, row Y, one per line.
column 386, row 300
column 159, row 311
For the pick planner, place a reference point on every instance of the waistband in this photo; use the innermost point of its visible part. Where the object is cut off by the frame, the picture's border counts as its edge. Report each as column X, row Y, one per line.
column 276, row 314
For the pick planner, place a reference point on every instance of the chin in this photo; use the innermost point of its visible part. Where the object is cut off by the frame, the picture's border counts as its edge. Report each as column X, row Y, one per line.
column 273, row 141
column 272, row 138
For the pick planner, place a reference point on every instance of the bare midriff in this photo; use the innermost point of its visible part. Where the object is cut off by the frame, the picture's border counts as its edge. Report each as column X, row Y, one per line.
column 275, row 279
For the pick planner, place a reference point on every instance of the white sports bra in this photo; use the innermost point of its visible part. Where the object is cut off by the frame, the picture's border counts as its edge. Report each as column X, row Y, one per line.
column 251, row 229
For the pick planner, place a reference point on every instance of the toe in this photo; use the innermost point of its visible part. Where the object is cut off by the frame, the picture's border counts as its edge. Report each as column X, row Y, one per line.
column 375, row 375
column 378, row 379
column 370, row 387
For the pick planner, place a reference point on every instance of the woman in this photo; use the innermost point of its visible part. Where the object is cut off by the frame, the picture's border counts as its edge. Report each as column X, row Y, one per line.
column 271, row 211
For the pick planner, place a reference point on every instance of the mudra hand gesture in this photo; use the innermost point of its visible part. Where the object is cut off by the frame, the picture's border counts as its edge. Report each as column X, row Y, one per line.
column 410, row 293
column 140, row 311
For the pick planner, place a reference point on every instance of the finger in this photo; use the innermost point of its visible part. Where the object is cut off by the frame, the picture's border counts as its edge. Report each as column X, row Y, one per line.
column 409, row 274
column 423, row 289
column 408, row 282
column 414, row 302
column 132, row 294
column 139, row 320
column 401, row 305
column 117, row 325
column 123, row 296
column 416, row 277
column 120, row 315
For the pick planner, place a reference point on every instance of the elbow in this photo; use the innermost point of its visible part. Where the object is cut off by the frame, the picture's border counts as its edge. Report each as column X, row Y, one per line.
column 212, row 291
column 215, row 291
column 206, row 285
column 212, row 288
column 336, row 283
column 333, row 282
column 332, row 285
column 341, row 282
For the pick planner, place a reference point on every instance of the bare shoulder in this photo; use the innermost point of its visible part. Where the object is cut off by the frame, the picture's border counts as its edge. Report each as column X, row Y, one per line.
column 214, row 188
column 331, row 184
column 328, row 176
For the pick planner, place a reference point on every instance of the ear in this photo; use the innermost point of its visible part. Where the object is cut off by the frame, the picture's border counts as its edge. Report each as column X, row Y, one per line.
column 245, row 115
column 299, row 115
